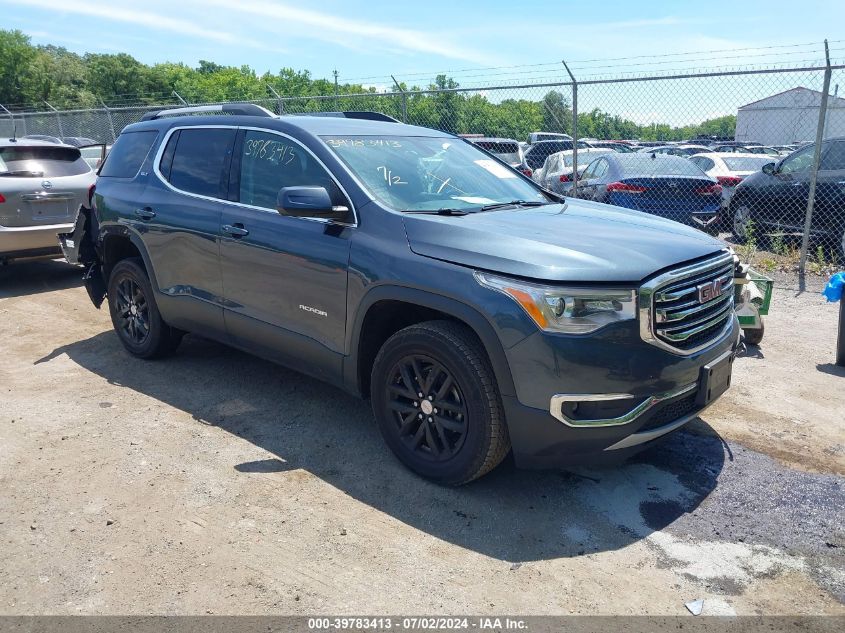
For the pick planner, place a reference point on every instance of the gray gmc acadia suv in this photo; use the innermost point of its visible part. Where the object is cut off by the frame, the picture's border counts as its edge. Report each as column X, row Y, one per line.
column 478, row 312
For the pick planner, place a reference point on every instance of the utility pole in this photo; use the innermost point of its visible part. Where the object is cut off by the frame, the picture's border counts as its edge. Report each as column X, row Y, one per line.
column 336, row 107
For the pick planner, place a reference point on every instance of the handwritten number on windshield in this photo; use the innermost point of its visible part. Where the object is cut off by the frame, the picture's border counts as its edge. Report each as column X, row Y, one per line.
column 390, row 178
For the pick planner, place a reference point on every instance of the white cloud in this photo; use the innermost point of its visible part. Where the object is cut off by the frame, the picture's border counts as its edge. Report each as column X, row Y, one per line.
column 108, row 11
column 349, row 33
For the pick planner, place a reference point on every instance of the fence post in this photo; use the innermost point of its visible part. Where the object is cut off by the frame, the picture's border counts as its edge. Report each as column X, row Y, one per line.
column 278, row 98
column 181, row 100
column 12, row 117
column 404, row 100
column 817, row 154
column 111, row 121
column 574, row 129
column 58, row 118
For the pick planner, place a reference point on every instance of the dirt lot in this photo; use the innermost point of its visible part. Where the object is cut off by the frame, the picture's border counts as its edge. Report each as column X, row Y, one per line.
column 216, row 482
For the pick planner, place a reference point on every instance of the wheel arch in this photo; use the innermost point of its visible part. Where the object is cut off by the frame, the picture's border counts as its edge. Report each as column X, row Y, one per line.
column 118, row 243
column 387, row 309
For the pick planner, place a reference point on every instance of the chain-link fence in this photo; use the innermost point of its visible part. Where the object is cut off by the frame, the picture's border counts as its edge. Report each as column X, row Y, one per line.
column 756, row 156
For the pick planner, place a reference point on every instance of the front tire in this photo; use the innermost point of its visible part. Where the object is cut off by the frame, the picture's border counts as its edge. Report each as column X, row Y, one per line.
column 436, row 402
column 135, row 315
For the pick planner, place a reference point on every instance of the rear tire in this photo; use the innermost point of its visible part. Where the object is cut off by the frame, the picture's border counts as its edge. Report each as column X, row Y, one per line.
column 455, row 432
column 135, row 315
column 741, row 215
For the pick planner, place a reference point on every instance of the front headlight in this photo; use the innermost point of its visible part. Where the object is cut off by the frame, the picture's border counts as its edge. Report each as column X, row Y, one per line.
column 567, row 310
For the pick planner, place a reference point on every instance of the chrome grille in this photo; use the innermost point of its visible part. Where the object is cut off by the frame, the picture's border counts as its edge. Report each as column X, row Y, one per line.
column 687, row 309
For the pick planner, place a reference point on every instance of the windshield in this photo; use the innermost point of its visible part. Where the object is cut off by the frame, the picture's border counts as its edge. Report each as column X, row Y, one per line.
column 418, row 173
column 41, row 161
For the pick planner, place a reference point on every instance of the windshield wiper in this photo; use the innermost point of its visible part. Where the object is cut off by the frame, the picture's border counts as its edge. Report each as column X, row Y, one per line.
column 445, row 211
column 23, row 172
column 514, row 203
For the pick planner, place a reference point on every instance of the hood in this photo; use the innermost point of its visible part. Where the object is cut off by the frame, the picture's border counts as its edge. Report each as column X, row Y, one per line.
column 578, row 242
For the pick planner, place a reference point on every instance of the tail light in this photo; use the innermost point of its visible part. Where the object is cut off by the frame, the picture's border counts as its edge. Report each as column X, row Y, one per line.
column 526, row 171
column 626, row 188
column 709, row 190
column 565, row 178
column 729, row 181
column 2, row 198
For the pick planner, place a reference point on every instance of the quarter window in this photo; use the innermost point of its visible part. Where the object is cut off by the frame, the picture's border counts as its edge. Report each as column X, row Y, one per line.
column 128, row 154
column 269, row 162
column 200, row 160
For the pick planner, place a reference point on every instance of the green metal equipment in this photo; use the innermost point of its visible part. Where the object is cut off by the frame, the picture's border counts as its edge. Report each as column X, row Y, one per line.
column 752, row 298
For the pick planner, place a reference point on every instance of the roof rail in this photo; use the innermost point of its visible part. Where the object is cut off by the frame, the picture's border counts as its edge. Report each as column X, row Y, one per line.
column 353, row 114
column 249, row 109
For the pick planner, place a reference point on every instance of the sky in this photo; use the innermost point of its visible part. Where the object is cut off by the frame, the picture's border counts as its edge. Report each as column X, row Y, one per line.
column 496, row 41
column 378, row 38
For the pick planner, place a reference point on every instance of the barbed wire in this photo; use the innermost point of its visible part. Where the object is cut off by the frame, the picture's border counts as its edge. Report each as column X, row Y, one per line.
column 459, row 71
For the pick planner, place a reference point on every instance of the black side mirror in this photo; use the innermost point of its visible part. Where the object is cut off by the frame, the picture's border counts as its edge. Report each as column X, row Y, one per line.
column 308, row 202
column 770, row 168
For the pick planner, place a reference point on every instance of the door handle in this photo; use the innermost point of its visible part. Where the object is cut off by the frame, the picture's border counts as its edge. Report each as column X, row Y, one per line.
column 145, row 214
column 235, row 230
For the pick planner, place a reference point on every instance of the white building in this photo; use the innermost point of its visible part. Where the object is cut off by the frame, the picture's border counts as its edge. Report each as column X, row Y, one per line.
column 789, row 117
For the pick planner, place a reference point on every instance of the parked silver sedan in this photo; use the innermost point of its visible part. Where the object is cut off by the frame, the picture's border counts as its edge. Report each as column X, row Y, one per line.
column 42, row 187
column 557, row 175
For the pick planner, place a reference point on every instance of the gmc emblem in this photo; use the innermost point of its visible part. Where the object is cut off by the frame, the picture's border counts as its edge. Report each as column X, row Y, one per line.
column 709, row 290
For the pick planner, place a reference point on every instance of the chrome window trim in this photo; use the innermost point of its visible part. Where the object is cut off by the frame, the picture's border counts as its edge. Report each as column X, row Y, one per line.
column 649, row 289
column 557, row 401
column 236, row 128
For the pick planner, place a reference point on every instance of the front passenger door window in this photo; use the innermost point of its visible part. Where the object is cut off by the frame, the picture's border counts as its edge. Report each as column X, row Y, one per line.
column 269, row 162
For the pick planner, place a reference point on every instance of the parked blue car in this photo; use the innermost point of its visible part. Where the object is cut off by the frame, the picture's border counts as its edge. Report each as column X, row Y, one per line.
column 667, row 186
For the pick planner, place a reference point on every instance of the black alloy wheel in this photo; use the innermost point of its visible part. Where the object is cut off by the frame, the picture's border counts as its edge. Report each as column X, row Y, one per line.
column 133, row 313
column 429, row 409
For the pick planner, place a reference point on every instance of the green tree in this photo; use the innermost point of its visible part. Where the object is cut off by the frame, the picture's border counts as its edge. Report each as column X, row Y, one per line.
column 16, row 55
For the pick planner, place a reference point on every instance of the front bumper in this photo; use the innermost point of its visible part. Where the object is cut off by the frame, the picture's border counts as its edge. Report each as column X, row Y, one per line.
column 26, row 241
column 635, row 393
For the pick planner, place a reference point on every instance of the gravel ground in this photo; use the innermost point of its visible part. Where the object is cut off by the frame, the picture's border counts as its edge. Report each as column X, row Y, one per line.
column 214, row 482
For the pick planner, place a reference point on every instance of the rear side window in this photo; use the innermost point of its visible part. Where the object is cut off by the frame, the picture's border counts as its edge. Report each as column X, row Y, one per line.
column 746, row 163
column 128, row 154
column 499, row 147
column 200, row 158
column 41, row 161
